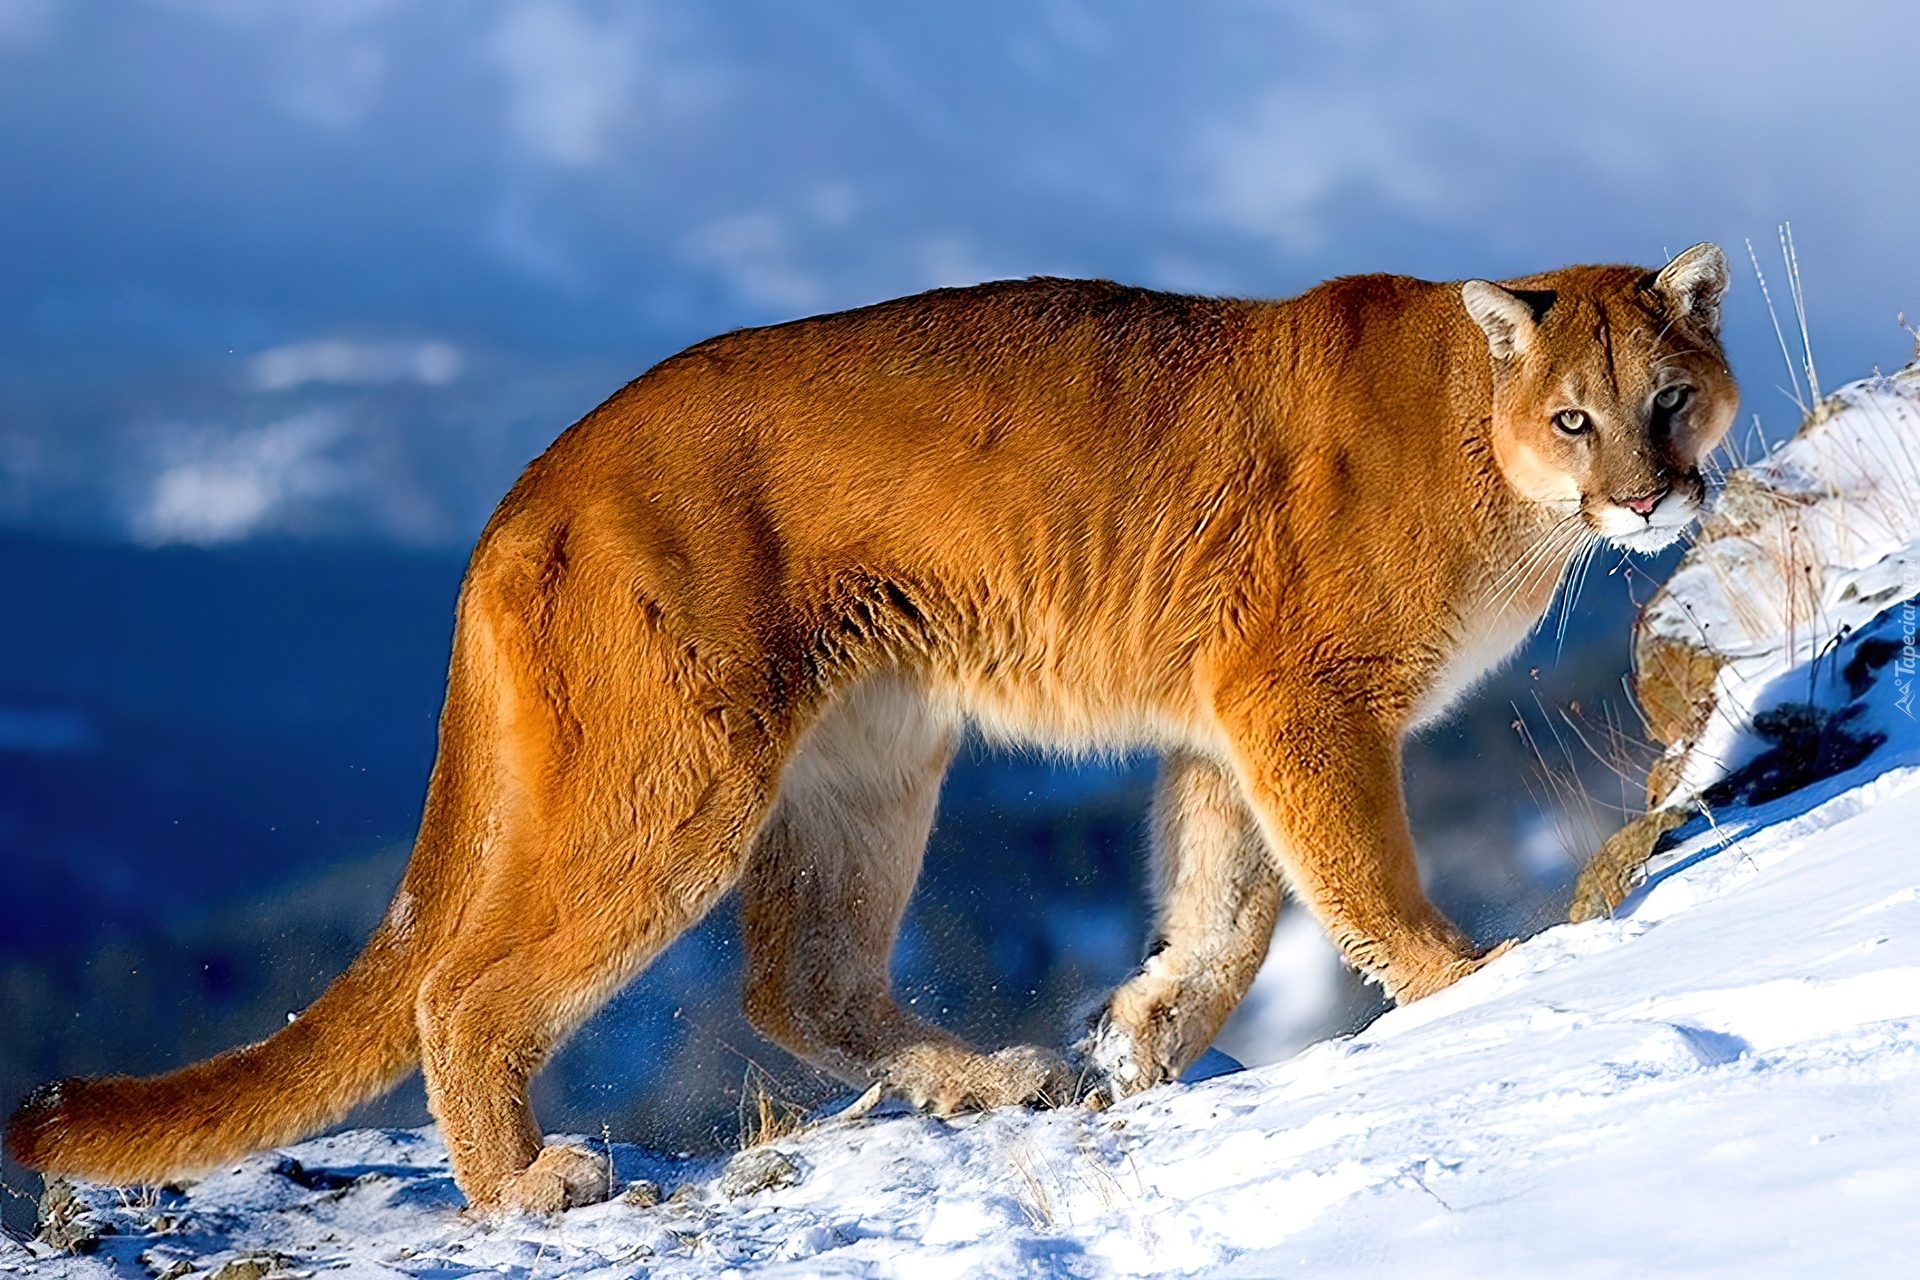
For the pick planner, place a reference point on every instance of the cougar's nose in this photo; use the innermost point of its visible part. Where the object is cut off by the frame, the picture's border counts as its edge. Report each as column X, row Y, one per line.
column 1646, row 502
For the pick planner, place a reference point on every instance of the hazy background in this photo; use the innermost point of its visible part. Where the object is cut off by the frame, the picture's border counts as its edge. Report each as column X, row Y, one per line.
column 290, row 291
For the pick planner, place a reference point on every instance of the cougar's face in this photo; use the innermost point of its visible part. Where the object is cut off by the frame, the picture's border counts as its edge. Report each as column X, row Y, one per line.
column 1605, row 401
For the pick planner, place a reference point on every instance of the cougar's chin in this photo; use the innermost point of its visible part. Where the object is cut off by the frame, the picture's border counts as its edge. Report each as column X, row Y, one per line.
column 1655, row 531
column 1649, row 539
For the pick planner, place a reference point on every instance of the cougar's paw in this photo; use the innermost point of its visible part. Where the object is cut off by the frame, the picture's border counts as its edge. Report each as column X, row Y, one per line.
column 1473, row 964
column 1027, row 1073
column 1109, row 1064
column 1441, row 977
column 946, row 1080
column 1148, row 1032
column 559, row 1178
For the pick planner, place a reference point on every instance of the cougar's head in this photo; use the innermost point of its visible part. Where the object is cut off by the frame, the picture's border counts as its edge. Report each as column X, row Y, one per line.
column 1609, row 387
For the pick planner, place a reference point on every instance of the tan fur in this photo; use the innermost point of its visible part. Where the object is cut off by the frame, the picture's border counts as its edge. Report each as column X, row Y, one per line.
column 726, row 630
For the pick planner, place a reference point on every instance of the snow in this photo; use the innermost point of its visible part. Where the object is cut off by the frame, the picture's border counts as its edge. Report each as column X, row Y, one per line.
column 1721, row 1079
column 1725, row 1078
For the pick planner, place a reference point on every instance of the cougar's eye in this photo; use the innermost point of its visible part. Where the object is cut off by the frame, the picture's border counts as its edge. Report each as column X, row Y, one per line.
column 1572, row 422
column 1671, row 398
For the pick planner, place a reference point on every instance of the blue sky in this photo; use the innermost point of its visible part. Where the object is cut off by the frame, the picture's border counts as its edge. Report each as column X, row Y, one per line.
column 561, row 192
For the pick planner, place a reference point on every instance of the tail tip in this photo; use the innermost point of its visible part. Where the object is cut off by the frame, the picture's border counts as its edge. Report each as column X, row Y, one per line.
column 37, row 1124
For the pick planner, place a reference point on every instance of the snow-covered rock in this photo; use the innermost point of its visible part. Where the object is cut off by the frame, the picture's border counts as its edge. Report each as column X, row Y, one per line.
column 1804, row 547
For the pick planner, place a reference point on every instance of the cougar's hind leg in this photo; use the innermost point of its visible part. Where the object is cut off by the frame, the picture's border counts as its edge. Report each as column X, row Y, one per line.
column 824, row 893
column 536, row 957
column 1217, row 895
column 622, row 800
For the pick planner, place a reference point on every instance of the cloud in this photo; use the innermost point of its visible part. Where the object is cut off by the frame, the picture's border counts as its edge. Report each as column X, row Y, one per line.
column 342, row 363
column 1278, row 169
column 335, row 58
column 1541, row 129
column 755, row 252
column 779, row 259
column 570, row 81
column 329, row 58
column 552, row 178
column 221, row 488
column 333, row 83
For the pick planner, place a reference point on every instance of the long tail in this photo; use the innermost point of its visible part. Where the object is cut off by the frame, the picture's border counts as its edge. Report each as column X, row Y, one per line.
column 355, row 1042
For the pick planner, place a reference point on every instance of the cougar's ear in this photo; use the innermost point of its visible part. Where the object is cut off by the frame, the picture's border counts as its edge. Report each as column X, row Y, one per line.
column 1693, row 282
column 1505, row 319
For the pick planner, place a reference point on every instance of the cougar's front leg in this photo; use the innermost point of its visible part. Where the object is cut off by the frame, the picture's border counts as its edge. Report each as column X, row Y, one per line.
column 1323, row 780
column 1217, row 894
column 824, row 894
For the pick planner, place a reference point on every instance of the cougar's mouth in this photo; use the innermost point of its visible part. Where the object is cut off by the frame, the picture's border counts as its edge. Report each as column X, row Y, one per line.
column 1648, row 522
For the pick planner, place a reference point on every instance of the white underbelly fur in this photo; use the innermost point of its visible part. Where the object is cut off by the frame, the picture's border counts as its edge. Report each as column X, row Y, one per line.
column 1482, row 651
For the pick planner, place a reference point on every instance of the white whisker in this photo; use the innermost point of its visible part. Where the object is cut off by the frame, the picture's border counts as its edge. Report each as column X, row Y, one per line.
column 1570, row 592
column 1548, row 553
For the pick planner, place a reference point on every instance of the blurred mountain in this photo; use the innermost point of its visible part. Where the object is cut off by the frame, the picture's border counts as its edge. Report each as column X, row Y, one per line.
column 355, row 441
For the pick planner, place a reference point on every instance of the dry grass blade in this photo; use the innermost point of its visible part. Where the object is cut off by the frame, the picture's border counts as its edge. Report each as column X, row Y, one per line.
column 1032, row 1192
column 1561, row 796
column 1792, row 259
column 1588, row 828
column 767, row 1115
column 1793, row 378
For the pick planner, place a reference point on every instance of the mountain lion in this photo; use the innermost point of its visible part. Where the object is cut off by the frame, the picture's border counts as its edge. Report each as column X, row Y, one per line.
column 728, row 628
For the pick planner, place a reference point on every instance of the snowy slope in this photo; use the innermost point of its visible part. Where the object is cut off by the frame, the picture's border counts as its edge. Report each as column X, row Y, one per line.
column 1723, row 1078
